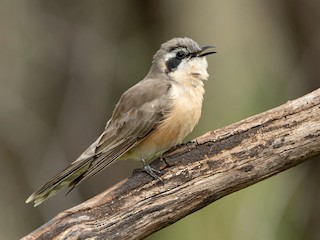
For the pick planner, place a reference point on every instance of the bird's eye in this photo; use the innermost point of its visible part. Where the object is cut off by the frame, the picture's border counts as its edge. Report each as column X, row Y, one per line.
column 181, row 55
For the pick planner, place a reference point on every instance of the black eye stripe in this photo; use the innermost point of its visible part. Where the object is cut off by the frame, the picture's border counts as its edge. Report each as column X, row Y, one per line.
column 180, row 54
column 173, row 63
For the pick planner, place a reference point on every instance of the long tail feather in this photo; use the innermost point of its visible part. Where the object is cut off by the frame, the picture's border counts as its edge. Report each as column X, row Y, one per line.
column 62, row 179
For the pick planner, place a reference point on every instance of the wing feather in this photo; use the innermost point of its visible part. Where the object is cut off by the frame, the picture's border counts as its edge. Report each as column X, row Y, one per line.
column 127, row 129
column 138, row 112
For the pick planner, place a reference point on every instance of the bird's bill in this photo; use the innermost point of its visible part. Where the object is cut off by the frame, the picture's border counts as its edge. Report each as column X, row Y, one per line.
column 201, row 54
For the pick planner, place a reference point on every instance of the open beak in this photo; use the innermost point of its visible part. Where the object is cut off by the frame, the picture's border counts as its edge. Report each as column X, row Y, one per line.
column 200, row 53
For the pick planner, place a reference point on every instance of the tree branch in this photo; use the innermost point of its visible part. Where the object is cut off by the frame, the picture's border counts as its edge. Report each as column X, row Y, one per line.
column 196, row 174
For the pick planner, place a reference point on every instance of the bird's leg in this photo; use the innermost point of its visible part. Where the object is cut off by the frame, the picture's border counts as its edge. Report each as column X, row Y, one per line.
column 151, row 171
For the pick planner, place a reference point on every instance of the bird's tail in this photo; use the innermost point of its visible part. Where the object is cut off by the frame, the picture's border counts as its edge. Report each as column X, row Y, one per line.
column 70, row 176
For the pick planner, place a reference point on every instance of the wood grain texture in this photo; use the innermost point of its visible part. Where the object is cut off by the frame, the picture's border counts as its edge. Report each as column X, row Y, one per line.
column 196, row 174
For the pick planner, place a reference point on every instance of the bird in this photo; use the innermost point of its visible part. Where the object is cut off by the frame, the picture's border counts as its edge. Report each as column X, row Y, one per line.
column 151, row 117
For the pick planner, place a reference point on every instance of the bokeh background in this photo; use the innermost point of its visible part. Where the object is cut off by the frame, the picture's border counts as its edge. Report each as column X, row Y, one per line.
column 64, row 65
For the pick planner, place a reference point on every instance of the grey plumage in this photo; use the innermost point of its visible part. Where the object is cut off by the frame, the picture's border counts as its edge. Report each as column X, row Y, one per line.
column 140, row 114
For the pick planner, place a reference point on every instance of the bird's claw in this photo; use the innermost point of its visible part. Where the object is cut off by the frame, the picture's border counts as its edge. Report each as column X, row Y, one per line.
column 151, row 171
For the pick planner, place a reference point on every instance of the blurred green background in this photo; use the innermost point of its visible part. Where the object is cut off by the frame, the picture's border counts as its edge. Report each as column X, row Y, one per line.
column 64, row 65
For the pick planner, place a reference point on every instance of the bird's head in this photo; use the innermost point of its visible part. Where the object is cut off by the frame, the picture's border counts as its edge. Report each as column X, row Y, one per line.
column 181, row 58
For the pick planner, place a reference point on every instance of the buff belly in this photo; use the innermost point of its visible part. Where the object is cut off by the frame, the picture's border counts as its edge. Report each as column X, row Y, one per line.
column 181, row 120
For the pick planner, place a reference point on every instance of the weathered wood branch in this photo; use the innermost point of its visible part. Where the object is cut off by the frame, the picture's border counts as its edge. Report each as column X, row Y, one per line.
column 196, row 174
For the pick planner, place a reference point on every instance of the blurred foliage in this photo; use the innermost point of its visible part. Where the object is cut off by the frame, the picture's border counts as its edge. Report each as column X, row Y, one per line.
column 64, row 65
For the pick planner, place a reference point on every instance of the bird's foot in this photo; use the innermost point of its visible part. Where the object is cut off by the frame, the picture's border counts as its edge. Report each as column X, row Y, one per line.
column 151, row 171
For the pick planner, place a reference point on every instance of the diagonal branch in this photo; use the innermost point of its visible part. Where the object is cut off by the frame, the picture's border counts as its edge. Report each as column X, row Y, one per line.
column 196, row 174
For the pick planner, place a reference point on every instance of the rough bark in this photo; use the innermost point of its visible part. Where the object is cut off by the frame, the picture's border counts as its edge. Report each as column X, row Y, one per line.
column 196, row 174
